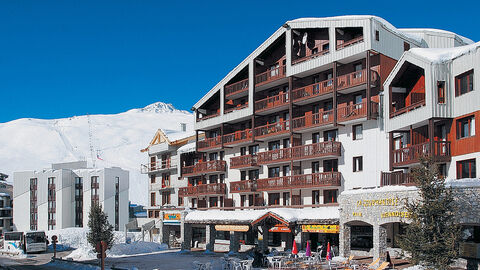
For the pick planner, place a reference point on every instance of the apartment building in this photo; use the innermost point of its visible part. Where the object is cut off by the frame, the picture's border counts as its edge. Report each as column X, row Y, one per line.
column 6, row 204
column 166, row 153
column 61, row 197
column 296, row 123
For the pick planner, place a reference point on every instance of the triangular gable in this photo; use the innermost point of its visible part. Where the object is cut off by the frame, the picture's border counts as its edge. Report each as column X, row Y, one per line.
column 280, row 219
column 160, row 137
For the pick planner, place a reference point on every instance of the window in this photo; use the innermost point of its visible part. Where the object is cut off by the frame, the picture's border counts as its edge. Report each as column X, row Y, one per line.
column 316, row 197
column 274, row 145
column 330, row 165
column 377, row 35
column 243, row 151
column 406, row 46
column 315, row 167
column 243, row 175
column 358, row 70
column 152, row 179
column 330, row 135
column 213, row 156
column 274, row 199
column 180, row 201
column 464, row 83
column 286, row 198
column 314, row 50
column 357, row 164
column 213, row 179
column 466, row 127
column 152, row 199
column 243, row 199
column 442, row 170
column 253, row 149
column 330, row 196
column 357, row 99
column 326, row 46
column 165, row 197
column 357, row 131
column 466, row 169
column 222, row 155
column 274, row 172
column 286, row 143
column 51, row 180
column 213, row 201
column 286, row 170
column 315, row 137
column 253, row 174
column 440, row 92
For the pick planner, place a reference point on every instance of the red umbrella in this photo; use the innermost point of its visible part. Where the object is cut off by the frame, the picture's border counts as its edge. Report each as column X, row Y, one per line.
column 308, row 252
column 294, row 248
column 329, row 254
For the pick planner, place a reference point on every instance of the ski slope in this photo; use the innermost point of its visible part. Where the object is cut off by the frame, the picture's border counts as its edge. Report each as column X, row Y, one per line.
column 33, row 144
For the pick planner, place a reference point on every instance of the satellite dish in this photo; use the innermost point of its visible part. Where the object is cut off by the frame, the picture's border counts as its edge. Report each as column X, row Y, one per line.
column 202, row 111
column 304, row 38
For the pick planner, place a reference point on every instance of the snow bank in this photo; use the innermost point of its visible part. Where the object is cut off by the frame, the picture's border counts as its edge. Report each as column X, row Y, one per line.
column 463, row 183
column 415, row 267
column 70, row 265
column 440, row 55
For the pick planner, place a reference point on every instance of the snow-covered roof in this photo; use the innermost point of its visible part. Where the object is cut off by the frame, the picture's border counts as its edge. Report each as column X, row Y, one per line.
column 248, row 216
column 189, row 147
column 4, row 194
column 415, row 31
column 440, row 55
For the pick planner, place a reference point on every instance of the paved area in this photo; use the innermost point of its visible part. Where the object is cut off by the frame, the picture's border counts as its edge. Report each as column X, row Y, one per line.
column 32, row 261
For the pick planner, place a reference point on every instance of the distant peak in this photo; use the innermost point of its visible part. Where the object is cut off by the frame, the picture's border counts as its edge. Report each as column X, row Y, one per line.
column 159, row 107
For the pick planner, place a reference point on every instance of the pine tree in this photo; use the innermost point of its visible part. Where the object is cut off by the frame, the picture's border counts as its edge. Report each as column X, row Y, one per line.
column 432, row 236
column 100, row 228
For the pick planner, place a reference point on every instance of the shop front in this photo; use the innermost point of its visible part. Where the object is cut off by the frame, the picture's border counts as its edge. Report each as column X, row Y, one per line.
column 319, row 235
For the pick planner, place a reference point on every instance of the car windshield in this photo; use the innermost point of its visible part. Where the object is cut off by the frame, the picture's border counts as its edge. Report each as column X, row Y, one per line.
column 17, row 236
column 35, row 238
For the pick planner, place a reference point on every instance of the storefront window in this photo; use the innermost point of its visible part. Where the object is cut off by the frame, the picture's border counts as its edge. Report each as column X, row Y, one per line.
column 361, row 238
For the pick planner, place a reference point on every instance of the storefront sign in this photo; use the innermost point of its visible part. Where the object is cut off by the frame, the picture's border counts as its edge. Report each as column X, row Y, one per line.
column 395, row 214
column 379, row 202
column 232, row 228
column 321, row 228
column 357, row 214
column 171, row 216
column 280, row 228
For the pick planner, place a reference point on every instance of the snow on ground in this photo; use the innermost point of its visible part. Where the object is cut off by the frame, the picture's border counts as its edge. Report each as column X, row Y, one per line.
column 33, row 144
column 415, row 267
column 76, row 238
column 463, row 183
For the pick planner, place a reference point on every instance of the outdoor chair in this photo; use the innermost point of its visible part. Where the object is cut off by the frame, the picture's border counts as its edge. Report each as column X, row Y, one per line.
column 383, row 266
column 371, row 265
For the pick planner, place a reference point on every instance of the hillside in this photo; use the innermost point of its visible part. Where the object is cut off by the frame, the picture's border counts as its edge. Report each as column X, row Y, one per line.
column 33, row 144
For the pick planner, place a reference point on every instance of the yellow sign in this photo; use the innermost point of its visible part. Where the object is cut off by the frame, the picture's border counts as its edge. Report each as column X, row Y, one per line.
column 357, row 214
column 379, row 202
column 321, row 228
column 395, row 214
column 171, row 216
column 232, row 228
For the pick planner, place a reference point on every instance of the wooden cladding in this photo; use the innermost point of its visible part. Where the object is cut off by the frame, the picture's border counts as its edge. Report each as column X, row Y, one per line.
column 209, row 143
column 205, row 167
column 282, row 99
column 243, row 161
column 280, row 127
column 236, row 88
column 238, row 137
column 316, row 150
column 411, row 154
column 324, row 179
column 355, row 111
column 270, row 75
column 396, row 178
column 310, row 120
column 242, row 186
column 204, row 189
column 356, row 78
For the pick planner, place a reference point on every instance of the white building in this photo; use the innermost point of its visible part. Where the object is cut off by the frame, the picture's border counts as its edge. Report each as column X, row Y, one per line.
column 5, row 204
column 61, row 197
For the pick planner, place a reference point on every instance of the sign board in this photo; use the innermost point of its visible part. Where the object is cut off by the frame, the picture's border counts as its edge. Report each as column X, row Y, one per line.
column 470, row 250
column 280, row 228
column 321, row 228
column 171, row 216
column 232, row 228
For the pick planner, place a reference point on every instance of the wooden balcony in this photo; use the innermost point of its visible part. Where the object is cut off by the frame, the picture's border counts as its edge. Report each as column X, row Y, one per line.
column 272, row 129
column 210, row 143
column 201, row 190
column 312, row 56
column 270, row 75
column 238, row 137
column 357, row 78
column 275, row 102
column 313, row 90
column 242, row 186
column 157, row 166
column 396, row 178
column 236, row 88
column 209, row 116
column 238, row 107
column 412, row 154
column 205, row 167
column 351, row 112
column 312, row 120
column 349, row 42
column 315, row 180
column 246, row 161
column 301, row 152
column 417, row 102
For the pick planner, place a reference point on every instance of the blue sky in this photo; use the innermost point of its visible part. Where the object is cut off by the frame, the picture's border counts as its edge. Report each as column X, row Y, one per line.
column 64, row 58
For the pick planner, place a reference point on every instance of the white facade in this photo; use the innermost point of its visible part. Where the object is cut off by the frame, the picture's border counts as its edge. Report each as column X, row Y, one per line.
column 69, row 204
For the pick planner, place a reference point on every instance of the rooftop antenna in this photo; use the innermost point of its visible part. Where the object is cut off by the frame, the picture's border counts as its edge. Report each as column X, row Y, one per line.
column 90, row 141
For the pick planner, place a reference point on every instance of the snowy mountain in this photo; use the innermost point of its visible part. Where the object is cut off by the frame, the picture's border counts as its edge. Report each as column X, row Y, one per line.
column 33, row 144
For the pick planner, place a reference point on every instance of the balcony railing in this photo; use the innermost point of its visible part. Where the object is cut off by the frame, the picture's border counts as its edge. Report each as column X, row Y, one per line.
column 236, row 88
column 242, row 186
column 313, row 120
column 412, row 154
column 205, row 117
column 419, row 102
column 349, row 42
column 270, row 75
column 243, row 161
column 205, row 167
column 204, row 189
column 356, row 78
column 355, row 111
column 325, row 179
column 210, row 143
column 312, row 56
column 267, row 130
column 396, row 178
column 300, row 152
column 238, row 137
column 272, row 102
column 157, row 166
column 238, row 107
column 313, row 90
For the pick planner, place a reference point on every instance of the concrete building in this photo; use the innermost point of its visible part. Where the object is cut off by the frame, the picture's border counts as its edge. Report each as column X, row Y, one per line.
column 61, row 197
column 304, row 118
column 6, row 204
